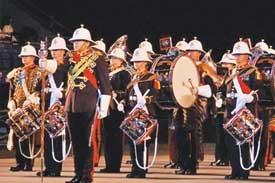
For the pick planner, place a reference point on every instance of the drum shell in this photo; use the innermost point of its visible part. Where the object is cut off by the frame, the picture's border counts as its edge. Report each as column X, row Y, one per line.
column 138, row 125
column 24, row 121
column 179, row 81
column 243, row 126
column 55, row 120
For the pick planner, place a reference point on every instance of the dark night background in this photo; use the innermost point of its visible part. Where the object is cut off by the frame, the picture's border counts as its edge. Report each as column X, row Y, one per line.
column 217, row 24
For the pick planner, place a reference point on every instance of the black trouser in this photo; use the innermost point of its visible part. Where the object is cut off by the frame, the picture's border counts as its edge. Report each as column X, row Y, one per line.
column 189, row 137
column 80, row 125
column 220, row 149
column 187, row 148
column 20, row 159
column 113, row 140
column 234, row 157
column 140, row 151
column 264, row 115
column 50, row 164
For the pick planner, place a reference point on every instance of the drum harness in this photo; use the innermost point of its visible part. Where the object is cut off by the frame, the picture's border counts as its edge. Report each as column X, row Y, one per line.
column 30, row 97
column 239, row 105
column 55, row 96
column 142, row 105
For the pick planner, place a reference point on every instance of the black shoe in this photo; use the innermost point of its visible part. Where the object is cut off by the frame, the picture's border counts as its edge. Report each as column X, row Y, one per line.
column 231, row 177
column 243, row 177
column 27, row 168
column 138, row 176
column 186, row 171
column 272, row 174
column 222, row 163
column 215, row 163
column 174, row 165
column 48, row 174
column 190, row 172
column 16, row 168
column 180, row 171
column 105, row 170
column 74, row 180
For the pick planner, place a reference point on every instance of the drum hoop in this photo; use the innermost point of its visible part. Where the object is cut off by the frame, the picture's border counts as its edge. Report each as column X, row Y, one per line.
column 171, row 76
column 154, row 65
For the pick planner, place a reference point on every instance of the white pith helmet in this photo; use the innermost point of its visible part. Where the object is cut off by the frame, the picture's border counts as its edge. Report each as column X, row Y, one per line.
column 140, row 55
column 118, row 53
column 82, row 34
column 262, row 45
column 195, row 45
column 228, row 58
column 100, row 45
column 182, row 45
column 28, row 50
column 146, row 45
column 271, row 50
column 241, row 47
column 58, row 43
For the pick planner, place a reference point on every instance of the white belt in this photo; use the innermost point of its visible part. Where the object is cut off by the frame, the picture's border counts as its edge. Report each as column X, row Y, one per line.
column 232, row 95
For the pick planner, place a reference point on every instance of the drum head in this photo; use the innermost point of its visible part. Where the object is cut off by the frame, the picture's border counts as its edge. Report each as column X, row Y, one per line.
column 183, row 77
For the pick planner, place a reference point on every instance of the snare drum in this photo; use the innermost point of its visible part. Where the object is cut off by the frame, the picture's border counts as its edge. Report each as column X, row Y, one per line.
column 24, row 121
column 138, row 125
column 55, row 120
column 243, row 126
column 178, row 78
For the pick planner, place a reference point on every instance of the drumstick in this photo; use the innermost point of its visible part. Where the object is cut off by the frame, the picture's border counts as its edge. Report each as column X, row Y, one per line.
column 147, row 91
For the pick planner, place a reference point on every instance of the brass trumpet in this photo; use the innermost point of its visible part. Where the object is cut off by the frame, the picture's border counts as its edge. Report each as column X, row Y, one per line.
column 209, row 67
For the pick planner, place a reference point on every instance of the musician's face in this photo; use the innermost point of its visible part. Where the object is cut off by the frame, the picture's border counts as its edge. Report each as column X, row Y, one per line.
column 27, row 60
column 58, row 55
column 81, row 45
column 140, row 67
column 242, row 59
column 194, row 55
column 115, row 62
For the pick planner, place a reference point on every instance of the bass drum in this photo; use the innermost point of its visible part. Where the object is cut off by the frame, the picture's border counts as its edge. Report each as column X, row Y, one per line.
column 265, row 66
column 179, row 81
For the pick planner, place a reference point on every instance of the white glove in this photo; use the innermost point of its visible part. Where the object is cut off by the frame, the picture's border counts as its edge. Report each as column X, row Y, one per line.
column 241, row 101
column 120, row 107
column 218, row 103
column 10, row 144
column 104, row 105
column 11, row 105
column 57, row 92
column 141, row 101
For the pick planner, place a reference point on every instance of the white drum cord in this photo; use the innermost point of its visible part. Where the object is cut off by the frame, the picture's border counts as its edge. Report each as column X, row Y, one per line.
column 253, row 158
column 31, row 148
column 144, row 167
column 65, row 153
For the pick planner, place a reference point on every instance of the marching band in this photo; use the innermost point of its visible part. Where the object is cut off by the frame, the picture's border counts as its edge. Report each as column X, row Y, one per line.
column 87, row 88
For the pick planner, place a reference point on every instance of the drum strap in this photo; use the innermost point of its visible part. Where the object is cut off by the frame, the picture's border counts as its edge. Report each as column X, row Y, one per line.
column 151, row 78
column 140, row 97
